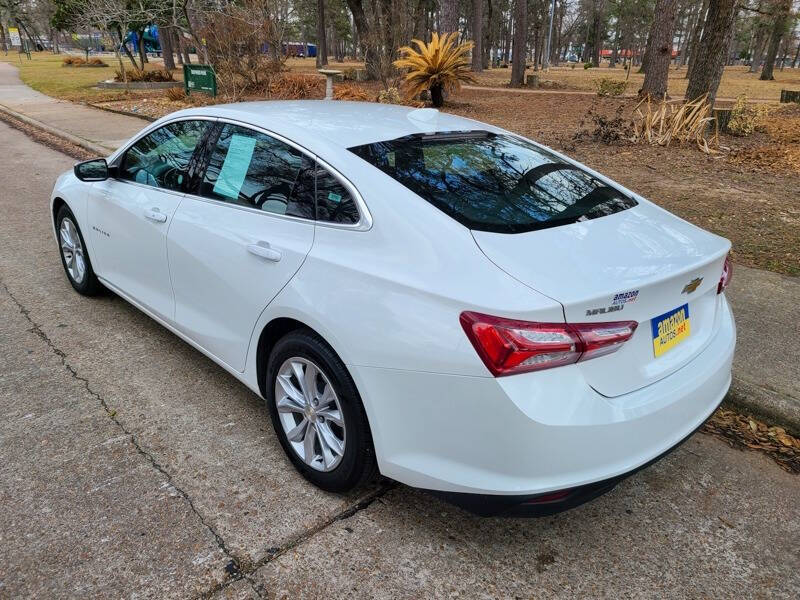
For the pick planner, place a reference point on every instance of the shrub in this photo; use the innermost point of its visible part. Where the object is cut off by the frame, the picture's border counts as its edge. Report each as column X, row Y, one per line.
column 746, row 118
column 294, row 86
column 350, row 91
column 176, row 94
column 97, row 62
column 149, row 76
column 610, row 87
column 389, row 96
column 440, row 66
column 572, row 65
column 587, row 65
column 72, row 61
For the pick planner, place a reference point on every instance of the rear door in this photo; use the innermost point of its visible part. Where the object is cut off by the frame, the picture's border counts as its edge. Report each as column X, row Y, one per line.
column 239, row 237
column 130, row 216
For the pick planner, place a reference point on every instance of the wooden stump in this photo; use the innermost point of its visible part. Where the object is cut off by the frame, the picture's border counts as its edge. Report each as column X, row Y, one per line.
column 532, row 81
column 790, row 96
column 723, row 117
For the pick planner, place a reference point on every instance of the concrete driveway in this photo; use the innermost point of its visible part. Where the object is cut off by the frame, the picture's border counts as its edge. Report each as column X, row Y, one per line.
column 132, row 466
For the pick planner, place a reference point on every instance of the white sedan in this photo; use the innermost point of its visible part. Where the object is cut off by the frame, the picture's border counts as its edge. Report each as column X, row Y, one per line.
column 413, row 293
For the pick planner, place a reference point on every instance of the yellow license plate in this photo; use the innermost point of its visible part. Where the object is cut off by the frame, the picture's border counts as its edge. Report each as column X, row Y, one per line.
column 670, row 329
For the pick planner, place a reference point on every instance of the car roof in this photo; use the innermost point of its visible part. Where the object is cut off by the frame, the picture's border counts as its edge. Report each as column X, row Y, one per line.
column 339, row 123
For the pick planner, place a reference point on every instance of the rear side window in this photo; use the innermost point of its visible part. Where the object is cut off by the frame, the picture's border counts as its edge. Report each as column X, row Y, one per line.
column 334, row 202
column 161, row 158
column 491, row 182
column 255, row 170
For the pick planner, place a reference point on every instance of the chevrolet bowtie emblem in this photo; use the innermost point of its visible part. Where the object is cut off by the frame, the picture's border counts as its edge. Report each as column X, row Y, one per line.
column 692, row 285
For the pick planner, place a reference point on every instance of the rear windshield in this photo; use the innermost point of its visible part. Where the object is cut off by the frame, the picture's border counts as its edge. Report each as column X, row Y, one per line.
column 493, row 182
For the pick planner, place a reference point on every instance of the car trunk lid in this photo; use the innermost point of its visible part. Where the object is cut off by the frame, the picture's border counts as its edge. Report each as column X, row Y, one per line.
column 636, row 265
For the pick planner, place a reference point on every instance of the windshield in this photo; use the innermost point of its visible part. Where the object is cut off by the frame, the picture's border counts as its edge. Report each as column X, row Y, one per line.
column 493, row 182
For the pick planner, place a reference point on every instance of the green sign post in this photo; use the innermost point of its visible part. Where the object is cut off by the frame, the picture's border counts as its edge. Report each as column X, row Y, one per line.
column 199, row 78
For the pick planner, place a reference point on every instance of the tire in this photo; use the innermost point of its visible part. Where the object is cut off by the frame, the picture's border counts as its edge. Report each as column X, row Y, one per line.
column 74, row 255
column 355, row 465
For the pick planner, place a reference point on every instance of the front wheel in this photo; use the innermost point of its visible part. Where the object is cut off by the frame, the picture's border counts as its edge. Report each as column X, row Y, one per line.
column 317, row 413
column 74, row 256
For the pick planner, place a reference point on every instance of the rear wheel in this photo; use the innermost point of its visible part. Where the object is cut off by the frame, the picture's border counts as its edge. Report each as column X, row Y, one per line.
column 317, row 413
column 74, row 256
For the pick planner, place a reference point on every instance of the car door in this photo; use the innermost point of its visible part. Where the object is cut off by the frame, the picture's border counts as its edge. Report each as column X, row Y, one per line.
column 130, row 214
column 239, row 237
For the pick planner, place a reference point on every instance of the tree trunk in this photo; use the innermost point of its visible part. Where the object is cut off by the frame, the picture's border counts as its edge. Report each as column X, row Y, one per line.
column 694, row 44
column 322, row 42
column 365, row 38
column 437, row 98
column 488, row 38
column 759, row 45
column 165, row 39
column 779, row 28
column 660, row 50
column 477, row 35
column 520, row 39
column 796, row 56
column 707, row 70
column 597, row 29
column 646, row 55
column 615, row 52
column 176, row 44
column 140, row 44
column 448, row 17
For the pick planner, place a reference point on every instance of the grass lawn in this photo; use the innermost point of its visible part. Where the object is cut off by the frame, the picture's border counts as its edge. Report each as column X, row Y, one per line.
column 45, row 73
column 735, row 80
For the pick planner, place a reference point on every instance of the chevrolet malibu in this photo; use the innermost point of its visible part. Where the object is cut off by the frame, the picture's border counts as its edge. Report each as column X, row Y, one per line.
column 413, row 293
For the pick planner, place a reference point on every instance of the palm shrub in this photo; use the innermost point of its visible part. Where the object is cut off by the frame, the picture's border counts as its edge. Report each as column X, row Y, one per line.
column 440, row 66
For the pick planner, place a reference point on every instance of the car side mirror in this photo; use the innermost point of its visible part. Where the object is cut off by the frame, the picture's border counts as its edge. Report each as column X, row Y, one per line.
column 92, row 170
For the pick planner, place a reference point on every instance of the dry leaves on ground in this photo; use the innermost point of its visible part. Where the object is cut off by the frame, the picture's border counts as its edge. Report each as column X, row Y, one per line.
column 742, row 431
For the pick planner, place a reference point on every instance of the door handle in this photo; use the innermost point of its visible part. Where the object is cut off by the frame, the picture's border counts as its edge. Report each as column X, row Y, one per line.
column 263, row 250
column 155, row 215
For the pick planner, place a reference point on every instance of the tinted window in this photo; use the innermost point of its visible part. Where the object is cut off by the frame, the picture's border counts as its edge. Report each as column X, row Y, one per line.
column 494, row 182
column 334, row 202
column 161, row 159
column 255, row 170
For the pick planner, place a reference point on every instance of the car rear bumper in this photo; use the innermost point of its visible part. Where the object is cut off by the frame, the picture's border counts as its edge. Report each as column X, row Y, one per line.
column 535, row 433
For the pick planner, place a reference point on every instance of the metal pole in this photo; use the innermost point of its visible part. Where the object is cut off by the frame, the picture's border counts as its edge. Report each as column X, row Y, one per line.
column 546, row 61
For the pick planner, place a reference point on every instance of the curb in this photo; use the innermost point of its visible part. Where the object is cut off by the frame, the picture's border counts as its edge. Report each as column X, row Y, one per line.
column 86, row 145
column 124, row 113
column 771, row 405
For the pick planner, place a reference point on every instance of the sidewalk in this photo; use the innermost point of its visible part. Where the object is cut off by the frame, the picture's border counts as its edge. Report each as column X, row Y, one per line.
column 99, row 129
column 766, row 375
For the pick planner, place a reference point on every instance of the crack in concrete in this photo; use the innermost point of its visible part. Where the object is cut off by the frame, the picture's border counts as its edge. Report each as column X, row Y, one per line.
column 236, row 568
column 236, row 571
column 275, row 553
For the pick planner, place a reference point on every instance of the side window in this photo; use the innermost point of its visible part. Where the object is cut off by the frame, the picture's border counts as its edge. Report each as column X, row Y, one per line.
column 334, row 202
column 255, row 170
column 161, row 159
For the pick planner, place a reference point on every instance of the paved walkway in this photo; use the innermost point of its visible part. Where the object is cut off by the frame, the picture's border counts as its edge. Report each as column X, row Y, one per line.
column 767, row 365
column 96, row 127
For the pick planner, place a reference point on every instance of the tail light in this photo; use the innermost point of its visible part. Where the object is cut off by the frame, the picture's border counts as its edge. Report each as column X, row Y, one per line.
column 508, row 346
column 727, row 274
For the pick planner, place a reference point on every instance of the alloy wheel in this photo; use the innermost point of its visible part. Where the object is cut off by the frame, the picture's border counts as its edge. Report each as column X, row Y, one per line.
column 310, row 414
column 72, row 250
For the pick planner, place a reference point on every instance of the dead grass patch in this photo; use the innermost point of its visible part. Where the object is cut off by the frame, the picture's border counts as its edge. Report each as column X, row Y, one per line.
column 295, row 86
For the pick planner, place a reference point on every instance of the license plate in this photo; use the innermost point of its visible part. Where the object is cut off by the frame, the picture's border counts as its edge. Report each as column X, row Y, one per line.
column 670, row 329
